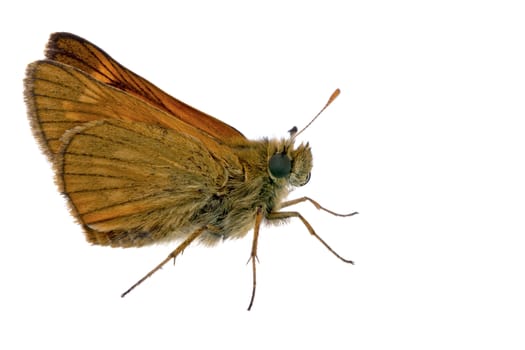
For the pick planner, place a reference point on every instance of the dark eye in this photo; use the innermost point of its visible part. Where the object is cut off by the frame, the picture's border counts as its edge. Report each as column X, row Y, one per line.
column 280, row 165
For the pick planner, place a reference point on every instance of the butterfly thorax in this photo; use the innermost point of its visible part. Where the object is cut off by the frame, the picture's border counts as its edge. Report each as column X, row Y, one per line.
column 254, row 182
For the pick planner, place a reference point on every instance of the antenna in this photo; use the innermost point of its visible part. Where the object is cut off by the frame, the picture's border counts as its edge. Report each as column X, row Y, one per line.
column 330, row 100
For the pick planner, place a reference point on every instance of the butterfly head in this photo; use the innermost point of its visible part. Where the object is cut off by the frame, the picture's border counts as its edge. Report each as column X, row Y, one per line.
column 292, row 164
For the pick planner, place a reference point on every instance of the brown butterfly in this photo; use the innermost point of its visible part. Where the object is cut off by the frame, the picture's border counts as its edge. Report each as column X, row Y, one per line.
column 140, row 167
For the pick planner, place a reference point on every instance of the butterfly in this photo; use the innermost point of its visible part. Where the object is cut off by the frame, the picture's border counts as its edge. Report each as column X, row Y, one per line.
column 139, row 167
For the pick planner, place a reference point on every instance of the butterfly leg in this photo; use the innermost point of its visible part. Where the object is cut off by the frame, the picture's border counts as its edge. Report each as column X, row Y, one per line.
column 173, row 255
column 317, row 205
column 293, row 214
column 253, row 255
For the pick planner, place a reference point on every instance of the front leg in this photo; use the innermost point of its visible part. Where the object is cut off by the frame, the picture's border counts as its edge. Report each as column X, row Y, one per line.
column 279, row 215
column 317, row 205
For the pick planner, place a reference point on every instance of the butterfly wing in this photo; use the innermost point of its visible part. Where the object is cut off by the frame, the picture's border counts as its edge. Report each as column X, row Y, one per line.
column 80, row 53
column 132, row 184
column 130, row 181
column 61, row 97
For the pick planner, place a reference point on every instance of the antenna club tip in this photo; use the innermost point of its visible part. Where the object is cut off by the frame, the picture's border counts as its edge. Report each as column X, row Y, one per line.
column 334, row 96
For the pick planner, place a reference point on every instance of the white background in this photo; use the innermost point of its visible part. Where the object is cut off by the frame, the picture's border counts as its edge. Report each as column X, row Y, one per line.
column 426, row 141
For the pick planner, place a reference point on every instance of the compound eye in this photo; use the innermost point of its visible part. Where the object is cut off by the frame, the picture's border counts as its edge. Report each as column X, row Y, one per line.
column 280, row 165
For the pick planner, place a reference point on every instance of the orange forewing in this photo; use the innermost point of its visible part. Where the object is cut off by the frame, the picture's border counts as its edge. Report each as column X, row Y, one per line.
column 80, row 53
column 64, row 97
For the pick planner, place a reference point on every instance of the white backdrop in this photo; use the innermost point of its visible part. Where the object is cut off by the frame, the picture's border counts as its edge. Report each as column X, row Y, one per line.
column 426, row 141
